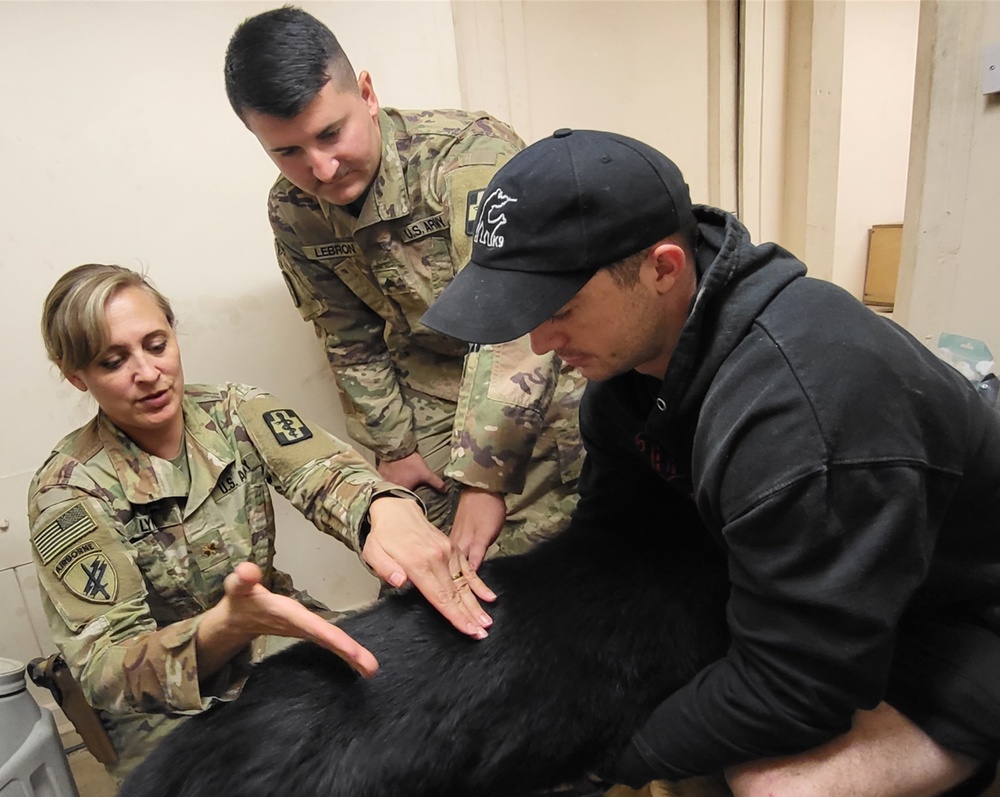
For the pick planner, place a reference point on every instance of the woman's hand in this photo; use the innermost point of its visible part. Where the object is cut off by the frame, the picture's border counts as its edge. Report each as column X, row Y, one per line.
column 404, row 546
column 248, row 610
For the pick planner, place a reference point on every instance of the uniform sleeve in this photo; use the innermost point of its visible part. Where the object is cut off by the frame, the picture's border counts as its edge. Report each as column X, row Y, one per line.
column 96, row 605
column 326, row 479
column 505, row 396
column 506, row 389
column 353, row 339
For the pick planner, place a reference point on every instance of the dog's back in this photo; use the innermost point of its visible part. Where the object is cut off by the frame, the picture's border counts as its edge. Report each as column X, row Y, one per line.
column 591, row 631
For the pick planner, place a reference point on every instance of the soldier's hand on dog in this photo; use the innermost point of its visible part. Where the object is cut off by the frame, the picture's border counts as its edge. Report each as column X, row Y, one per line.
column 404, row 546
column 479, row 518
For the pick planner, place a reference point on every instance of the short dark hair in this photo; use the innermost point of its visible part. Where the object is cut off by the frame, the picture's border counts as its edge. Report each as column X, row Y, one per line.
column 279, row 60
column 625, row 272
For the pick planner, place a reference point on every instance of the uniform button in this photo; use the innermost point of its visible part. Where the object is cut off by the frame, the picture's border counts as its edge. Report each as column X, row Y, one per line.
column 661, row 405
column 562, row 132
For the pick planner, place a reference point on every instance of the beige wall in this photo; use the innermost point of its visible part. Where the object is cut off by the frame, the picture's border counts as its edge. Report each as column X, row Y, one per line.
column 880, row 51
column 656, row 93
column 827, row 88
column 651, row 70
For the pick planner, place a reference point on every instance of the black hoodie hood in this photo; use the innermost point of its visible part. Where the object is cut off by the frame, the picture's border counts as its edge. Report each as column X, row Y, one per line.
column 726, row 260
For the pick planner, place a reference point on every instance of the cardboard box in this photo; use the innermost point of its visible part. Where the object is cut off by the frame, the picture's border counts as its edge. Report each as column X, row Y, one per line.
column 883, row 264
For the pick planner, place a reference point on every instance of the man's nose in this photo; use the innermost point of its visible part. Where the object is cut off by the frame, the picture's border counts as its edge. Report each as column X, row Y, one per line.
column 542, row 338
column 324, row 165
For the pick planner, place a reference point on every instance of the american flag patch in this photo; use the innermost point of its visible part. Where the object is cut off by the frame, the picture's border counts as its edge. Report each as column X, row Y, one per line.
column 62, row 532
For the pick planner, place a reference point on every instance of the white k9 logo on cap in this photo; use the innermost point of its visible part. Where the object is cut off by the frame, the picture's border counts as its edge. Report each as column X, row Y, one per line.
column 491, row 219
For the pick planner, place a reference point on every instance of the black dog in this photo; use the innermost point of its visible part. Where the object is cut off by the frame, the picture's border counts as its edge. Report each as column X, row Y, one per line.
column 592, row 630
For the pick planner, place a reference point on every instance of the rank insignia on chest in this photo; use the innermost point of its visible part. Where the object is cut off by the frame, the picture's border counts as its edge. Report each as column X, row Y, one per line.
column 472, row 210
column 287, row 427
column 91, row 576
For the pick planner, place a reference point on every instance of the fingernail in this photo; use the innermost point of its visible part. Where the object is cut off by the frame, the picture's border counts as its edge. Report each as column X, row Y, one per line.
column 485, row 620
column 478, row 633
column 397, row 579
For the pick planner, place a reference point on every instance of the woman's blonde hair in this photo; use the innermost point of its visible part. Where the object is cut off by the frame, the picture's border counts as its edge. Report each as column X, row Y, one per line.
column 73, row 325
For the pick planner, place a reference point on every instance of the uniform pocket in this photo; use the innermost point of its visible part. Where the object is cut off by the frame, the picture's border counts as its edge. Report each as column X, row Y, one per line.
column 519, row 377
column 161, row 551
column 303, row 297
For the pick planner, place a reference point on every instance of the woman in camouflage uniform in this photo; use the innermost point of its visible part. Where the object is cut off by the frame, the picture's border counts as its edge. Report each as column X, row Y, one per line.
column 152, row 526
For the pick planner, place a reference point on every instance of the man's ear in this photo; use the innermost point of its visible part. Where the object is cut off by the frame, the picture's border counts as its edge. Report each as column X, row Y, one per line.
column 367, row 91
column 669, row 262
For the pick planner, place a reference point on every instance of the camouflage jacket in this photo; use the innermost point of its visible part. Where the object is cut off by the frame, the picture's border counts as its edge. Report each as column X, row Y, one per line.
column 130, row 550
column 365, row 282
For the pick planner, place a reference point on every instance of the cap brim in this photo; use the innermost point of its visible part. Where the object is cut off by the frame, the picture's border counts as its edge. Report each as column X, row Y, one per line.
column 485, row 305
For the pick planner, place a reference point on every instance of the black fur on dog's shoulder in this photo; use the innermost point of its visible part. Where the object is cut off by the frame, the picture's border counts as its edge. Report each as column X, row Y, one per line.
column 591, row 631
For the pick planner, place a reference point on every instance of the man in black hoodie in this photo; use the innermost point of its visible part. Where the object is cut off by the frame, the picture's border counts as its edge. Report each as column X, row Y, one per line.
column 851, row 478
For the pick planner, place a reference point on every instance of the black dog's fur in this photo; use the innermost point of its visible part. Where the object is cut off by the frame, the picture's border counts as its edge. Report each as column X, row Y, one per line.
column 591, row 631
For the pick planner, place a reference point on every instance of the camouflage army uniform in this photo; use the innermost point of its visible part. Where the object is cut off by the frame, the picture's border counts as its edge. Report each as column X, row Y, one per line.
column 511, row 424
column 130, row 549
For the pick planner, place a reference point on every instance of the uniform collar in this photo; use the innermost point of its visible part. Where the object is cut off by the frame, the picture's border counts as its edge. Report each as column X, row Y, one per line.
column 145, row 479
column 388, row 197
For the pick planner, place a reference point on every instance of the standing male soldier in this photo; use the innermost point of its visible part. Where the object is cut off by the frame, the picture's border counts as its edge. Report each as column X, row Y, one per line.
column 372, row 218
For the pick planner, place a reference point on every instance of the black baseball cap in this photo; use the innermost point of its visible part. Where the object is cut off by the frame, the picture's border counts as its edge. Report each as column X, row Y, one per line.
column 550, row 218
